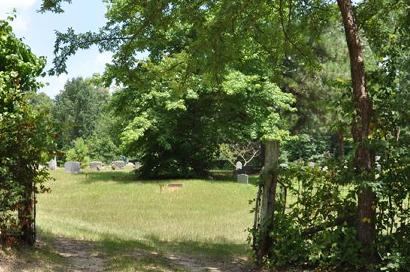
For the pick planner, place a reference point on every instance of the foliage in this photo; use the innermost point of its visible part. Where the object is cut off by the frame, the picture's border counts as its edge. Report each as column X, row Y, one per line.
column 175, row 127
column 82, row 110
column 41, row 102
column 79, row 152
column 24, row 138
column 78, row 109
column 314, row 219
column 102, row 148
column 306, row 148
column 104, row 143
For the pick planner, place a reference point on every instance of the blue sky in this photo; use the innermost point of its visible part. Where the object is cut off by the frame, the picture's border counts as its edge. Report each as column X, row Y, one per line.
column 37, row 30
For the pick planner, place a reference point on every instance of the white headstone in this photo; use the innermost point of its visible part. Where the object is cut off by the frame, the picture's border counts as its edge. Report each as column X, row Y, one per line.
column 243, row 178
column 96, row 165
column 52, row 165
column 238, row 165
column 72, row 167
column 137, row 165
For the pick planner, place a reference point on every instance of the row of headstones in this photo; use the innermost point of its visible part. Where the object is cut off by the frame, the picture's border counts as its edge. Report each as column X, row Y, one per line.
column 75, row 167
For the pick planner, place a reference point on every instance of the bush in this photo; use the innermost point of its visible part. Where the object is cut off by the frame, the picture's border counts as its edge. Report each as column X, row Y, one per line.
column 79, row 153
column 24, row 138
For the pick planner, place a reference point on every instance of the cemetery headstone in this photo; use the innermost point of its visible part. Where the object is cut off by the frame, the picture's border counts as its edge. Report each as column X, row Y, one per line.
column 72, row 167
column 137, row 165
column 238, row 166
column 52, row 165
column 117, row 165
column 96, row 165
column 243, row 178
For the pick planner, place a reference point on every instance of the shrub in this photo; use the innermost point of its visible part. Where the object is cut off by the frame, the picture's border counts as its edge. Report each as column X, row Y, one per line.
column 79, row 153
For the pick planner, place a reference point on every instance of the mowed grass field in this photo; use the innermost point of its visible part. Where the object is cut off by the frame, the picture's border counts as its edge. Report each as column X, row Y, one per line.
column 141, row 225
column 100, row 205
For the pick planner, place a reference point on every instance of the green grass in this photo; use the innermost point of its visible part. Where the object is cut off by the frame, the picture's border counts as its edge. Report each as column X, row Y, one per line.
column 207, row 219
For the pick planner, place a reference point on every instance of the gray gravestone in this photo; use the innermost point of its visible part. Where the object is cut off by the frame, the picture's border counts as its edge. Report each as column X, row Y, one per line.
column 238, row 165
column 117, row 165
column 242, row 178
column 96, row 165
column 52, row 165
column 72, row 167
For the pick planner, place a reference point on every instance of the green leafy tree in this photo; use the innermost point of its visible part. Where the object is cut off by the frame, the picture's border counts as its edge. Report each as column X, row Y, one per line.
column 79, row 152
column 175, row 127
column 77, row 110
column 105, row 141
column 24, row 138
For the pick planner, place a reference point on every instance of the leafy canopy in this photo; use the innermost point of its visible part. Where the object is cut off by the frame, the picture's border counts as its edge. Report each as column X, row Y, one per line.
column 24, row 138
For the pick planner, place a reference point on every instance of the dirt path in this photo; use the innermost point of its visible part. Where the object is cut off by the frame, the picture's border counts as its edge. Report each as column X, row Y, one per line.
column 79, row 255
column 195, row 265
column 191, row 263
column 82, row 256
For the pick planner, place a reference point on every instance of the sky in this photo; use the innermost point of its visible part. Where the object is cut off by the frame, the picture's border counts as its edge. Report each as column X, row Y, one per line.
column 37, row 31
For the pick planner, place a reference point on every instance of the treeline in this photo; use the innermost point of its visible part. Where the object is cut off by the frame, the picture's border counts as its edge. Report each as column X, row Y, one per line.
column 83, row 126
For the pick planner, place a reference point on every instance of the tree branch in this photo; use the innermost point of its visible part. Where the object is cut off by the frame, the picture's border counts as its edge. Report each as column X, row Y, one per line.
column 349, row 220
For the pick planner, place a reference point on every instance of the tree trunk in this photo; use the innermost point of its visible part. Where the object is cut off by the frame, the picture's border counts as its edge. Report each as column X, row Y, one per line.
column 26, row 214
column 364, row 159
column 269, row 182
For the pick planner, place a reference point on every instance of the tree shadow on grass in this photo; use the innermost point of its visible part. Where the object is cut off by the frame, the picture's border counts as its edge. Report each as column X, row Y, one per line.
column 130, row 177
column 41, row 257
column 116, row 176
column 188, row 255
column 109, row 253
column 119, row 177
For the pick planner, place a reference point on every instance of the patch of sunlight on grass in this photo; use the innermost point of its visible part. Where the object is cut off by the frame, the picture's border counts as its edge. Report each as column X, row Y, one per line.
column 108, row 207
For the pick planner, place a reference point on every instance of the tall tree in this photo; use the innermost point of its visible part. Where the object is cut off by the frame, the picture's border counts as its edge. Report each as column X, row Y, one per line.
column 174, row 127
column 24, row 139
column 77, row 110
column 364, row 158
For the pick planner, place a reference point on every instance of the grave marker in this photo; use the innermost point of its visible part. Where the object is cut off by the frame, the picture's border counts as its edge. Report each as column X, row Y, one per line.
column 117, row 165
column 96, row 165
column 72, row 167
column 52, row 165
column 243, row 178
